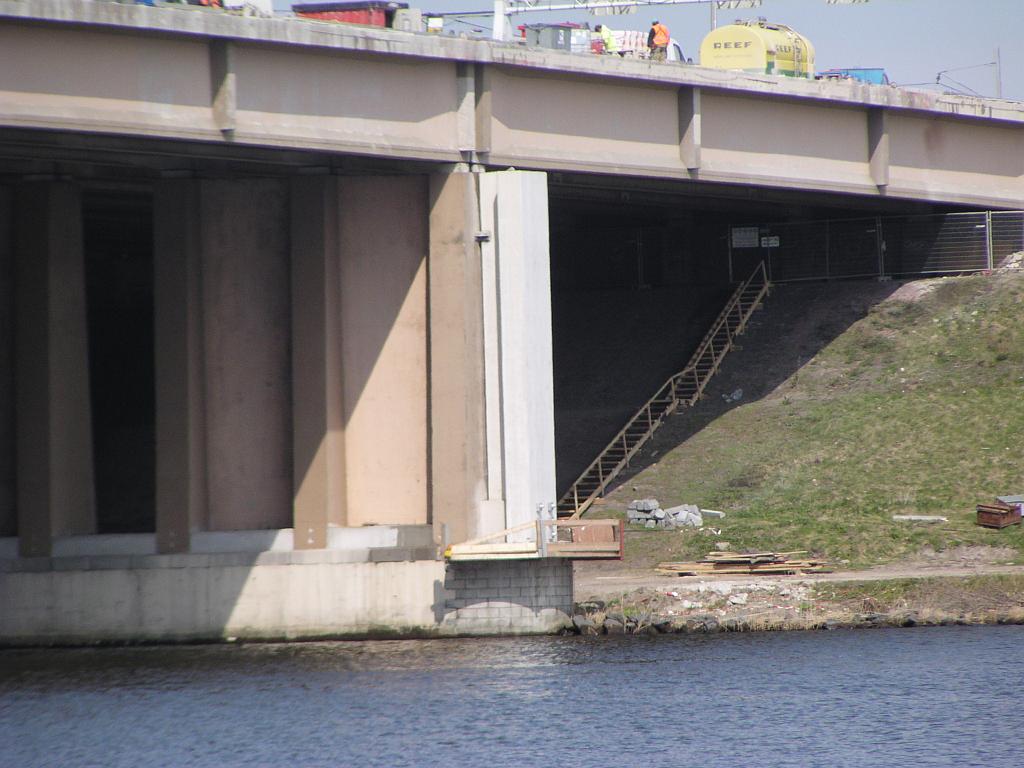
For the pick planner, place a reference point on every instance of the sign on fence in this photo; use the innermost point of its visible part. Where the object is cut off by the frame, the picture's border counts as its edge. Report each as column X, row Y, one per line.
column 770, row 242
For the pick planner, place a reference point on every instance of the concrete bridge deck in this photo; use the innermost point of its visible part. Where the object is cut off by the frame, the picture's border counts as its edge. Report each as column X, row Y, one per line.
column 79, row 66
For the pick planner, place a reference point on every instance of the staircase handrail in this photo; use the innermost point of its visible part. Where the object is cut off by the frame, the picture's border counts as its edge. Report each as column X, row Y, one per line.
column 670, row 386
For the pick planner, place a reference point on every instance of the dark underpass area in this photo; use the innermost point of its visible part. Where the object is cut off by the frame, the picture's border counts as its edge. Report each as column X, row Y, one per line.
column 118, row 249
column 641, row 269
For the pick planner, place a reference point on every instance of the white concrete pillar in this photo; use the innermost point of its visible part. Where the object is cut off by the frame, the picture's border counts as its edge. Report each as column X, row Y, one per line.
column 517, row 343
column 317, row 405
column 55, row 485
column 247, row 366
column 8, row 510
column 384, row 243
column 458, row 456
column 178, row 358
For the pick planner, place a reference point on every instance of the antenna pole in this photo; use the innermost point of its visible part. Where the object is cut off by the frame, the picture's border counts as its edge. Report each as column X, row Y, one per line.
column 999, row 75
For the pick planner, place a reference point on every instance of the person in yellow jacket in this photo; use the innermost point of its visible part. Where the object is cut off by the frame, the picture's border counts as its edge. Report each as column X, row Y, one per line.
column 608, row 38
column 657, row 41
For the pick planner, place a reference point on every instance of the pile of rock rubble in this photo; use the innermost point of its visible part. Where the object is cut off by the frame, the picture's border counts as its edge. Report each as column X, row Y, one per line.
column 649, row 514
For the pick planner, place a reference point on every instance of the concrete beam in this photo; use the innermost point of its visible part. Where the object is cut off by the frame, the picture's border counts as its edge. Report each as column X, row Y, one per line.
column 484, row 110
column 878, row 147
column 465, row 110
column 689, row 127
column 473, row 111
column 181, row 482
column 318, row 442
column 56, row 489
column 457, row 451
column 223, row 86
column 8, row 510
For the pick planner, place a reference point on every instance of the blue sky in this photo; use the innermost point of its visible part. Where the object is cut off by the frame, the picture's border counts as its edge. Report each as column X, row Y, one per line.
column 913, row 40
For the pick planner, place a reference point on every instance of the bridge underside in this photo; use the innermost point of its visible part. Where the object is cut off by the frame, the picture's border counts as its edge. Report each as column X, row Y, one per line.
column 175, row 275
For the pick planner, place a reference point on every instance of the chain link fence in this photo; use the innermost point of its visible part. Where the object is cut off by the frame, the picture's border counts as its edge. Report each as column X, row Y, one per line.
column 878, row 247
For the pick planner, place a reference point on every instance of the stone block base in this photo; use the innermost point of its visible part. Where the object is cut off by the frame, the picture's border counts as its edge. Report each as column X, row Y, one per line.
column 500, row 597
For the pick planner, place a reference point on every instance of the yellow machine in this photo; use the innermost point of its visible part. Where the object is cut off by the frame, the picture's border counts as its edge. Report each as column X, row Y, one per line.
column 758, row 47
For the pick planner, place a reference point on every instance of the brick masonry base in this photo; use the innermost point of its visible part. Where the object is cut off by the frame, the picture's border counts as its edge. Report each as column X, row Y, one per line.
column 507, row 597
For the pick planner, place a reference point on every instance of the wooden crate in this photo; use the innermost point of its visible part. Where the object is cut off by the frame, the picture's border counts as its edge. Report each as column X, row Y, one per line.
column 998, row 515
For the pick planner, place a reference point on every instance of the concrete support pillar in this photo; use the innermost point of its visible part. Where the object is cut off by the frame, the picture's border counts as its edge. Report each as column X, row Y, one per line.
column 517, row 341
column 317, row 406
column 55, row 484
column 246, row 340
column 384, row 243
column 457, row 441
column 178, row 356
column 8, row 510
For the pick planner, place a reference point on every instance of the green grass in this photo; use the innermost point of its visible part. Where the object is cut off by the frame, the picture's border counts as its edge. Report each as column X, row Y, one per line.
column 918, row 408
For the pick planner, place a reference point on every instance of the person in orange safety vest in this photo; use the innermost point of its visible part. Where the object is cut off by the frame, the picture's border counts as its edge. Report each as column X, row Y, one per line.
column 657, row 41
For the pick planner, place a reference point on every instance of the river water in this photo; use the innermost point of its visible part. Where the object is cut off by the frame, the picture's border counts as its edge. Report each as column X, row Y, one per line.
column 949, row 696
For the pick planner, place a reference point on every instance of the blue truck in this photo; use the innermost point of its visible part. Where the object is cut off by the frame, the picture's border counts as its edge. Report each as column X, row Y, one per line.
column 873, row 75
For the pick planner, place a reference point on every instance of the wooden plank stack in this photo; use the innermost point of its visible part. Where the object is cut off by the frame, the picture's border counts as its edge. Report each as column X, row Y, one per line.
column 746, row 564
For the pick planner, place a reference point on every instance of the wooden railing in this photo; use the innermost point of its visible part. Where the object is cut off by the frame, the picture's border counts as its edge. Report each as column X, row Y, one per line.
column 681, row 390
column 575, row 539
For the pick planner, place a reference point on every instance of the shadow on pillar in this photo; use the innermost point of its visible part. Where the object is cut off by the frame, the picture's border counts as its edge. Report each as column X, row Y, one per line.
column 360, row 353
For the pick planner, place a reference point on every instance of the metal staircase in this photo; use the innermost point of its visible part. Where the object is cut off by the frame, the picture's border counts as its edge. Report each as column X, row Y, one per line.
column 681, row 390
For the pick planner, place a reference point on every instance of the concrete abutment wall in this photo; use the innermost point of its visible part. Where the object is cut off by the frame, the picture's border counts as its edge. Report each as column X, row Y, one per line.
column 277, row 596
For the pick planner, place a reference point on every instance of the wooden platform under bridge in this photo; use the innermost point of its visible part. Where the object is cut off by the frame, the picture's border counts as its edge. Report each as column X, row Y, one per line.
column 574, row 539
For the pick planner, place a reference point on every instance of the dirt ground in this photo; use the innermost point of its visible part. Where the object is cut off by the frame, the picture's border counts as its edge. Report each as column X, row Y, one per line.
column 611, row 579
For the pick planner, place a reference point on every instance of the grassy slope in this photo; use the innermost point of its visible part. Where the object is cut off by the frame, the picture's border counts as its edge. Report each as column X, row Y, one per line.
column 917, row 408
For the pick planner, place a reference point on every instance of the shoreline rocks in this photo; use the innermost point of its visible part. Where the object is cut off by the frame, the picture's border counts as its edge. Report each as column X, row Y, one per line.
column 707, row 625
column 753, row 608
